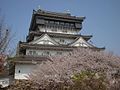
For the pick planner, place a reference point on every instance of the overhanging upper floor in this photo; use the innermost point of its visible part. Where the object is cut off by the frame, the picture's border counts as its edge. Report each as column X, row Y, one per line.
column 26, row 48
column 42, row 17
column 32, row 34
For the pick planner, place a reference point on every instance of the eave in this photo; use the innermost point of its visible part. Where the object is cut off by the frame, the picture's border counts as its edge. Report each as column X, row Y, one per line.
column 24, row 59
column 24, row 46
column 34, row 33
column 55, row 15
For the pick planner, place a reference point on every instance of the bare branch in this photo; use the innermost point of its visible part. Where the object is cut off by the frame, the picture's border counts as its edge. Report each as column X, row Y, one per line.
column 5, row 38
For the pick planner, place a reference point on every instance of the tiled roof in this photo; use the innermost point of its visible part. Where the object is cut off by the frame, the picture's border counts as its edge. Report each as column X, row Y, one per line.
column 30, row 59
column 24, row 45
column 34, row 33
column 58, row 15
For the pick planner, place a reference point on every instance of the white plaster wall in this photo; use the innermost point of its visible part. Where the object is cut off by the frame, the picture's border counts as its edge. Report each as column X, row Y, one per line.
column 43, row 42
column 45, row 39
column 25, row 69
column 69, row 31
column 81, row 42
column 67, row 40
column 40, row 52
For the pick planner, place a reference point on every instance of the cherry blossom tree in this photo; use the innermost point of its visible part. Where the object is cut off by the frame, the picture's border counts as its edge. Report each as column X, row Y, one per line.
column 60, row 69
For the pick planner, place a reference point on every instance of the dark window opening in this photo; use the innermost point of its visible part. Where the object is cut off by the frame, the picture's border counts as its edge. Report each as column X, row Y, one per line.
column 62, row 40
column 19, row 71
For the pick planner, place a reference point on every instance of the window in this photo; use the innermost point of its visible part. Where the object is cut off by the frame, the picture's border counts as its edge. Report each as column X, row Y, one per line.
column 46, row 21
column 56, row 22
column 64, row 30
column 54, row 29
column 62, row 40
column 40, row 21
column 19, row 71
column 66, row 24
column 61, row 23
column 72, row 24
column 32, row 53
column 59, row 53
column 46, row 53
column 77, row 25
column 51, row 22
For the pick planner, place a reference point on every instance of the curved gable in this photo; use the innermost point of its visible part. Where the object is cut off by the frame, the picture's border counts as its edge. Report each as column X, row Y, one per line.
column 44, row 39
column 81, row 42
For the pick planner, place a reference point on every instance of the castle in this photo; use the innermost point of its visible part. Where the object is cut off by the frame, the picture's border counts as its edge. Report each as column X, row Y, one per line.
column 50, row 34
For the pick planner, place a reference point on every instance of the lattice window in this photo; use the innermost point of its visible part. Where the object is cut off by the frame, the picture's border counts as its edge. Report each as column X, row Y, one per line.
column 59, row 53
column 32, row 52
column 62, row 40
column 46, row 53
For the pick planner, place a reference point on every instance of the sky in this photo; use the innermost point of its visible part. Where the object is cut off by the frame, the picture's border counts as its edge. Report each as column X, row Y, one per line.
column 102, row 18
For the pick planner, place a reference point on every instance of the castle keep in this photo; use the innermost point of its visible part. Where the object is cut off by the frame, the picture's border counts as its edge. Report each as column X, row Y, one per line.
column 50, row 34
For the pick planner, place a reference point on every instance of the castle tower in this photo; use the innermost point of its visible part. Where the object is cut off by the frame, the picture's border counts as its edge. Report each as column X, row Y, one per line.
column 50, row 34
